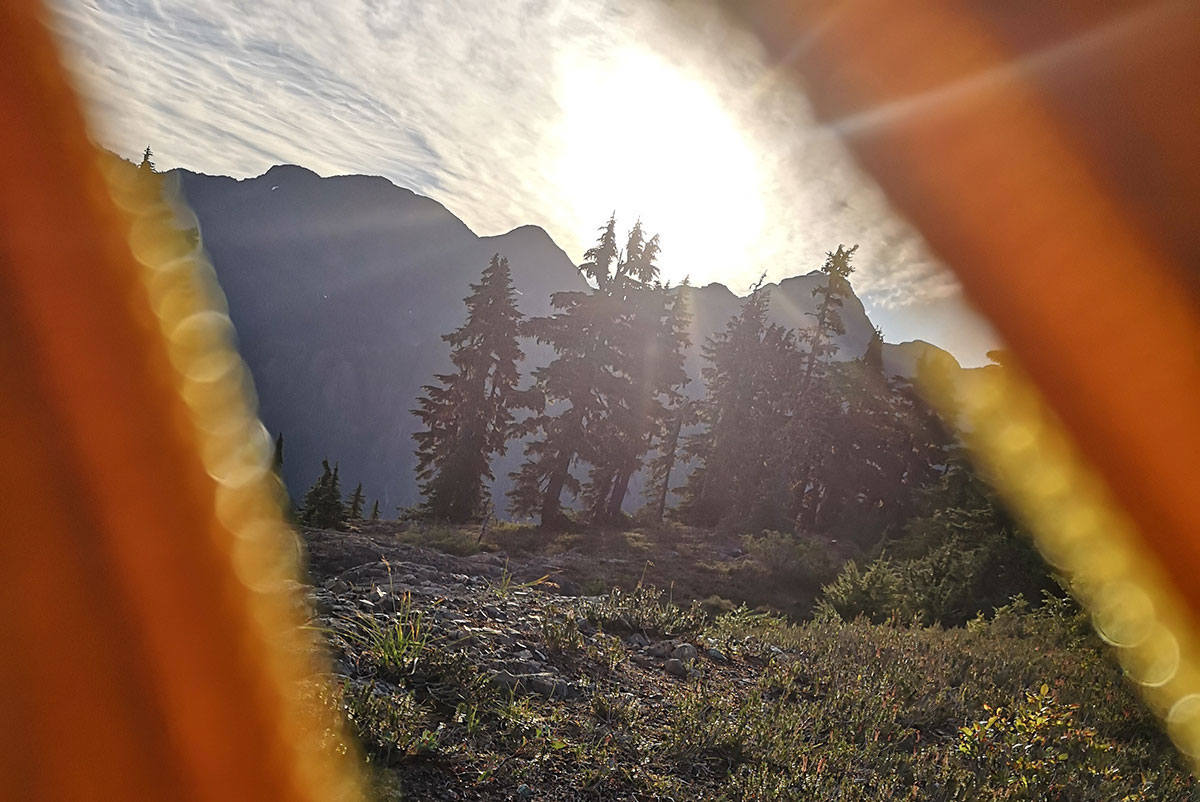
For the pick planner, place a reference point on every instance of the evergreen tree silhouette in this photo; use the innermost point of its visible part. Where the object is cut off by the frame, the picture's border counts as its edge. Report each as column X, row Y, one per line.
column 727, row 450
column 323, row 502
column 618, row 356
column 356, row 504
column 468, row 414
column 375, row 511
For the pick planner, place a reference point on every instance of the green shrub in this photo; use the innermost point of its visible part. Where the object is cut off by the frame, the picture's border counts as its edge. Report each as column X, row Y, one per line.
column 1035, row 749
column 878, row 593
column 456, row 540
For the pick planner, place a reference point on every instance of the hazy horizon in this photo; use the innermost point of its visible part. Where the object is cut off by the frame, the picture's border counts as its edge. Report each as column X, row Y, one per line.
column 555, row 114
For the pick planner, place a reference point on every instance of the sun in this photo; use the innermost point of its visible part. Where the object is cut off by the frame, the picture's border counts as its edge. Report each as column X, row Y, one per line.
column 643, row 139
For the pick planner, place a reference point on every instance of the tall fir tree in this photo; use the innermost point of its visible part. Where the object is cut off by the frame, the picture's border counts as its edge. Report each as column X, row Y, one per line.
column 724, row 450
column 375, row 511
column 808, row 438
column 356, row 504
column 819, row 338
column 468, row 414
column 650, row 336
column 666, row 454
column 618, row 357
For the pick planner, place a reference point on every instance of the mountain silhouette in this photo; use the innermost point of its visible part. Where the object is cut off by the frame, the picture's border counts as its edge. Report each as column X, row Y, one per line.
column 340, row 289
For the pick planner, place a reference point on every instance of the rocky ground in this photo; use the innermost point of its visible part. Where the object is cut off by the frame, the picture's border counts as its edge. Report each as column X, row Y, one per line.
column 512, row 631
column 494, row 677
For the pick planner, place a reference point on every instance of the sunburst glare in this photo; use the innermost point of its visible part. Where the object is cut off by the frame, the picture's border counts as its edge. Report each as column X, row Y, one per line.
column 643, row 139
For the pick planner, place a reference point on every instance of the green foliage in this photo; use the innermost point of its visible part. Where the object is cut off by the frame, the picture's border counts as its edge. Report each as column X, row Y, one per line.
column 877, row 593
column 445, row 538
column 561, row 634
column 1015, row 707
column 643, row 610
column 603, row 399
column 963, row 557
column 356, row 504
column 792, row 440
column 375, row 511
column 1037, row 747
column 863, row 712
column 797, row 563
column 323, row 507
column 467, row 415
column 396, row 646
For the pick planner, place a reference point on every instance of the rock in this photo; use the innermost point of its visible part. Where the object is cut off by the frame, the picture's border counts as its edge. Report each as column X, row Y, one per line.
column 638, row 640
column 684, row 652
column 661, row 649
column 524, row 791
column 542, row 684
column 675, row 668
column 549, row 686
column 458, row 639
column 642, row 660
column 336, row 585
column 716, row 655
column 504, row 680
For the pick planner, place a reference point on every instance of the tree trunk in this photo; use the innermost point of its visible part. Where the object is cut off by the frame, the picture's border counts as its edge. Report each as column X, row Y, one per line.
column 551, row 516
column 617, row 498
column 669, row 449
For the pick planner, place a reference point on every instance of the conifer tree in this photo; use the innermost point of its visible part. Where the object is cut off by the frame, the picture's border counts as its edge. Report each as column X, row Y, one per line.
column 146, row 164
column 561, row 400
column 356, row 504
column 724, row 450
column 650, row 335
column 809, row 435
column 828, row 317
column 468, row 413
column 312, row 499
column 658, row 486
column 375, row 511
column 618, row 356
column 323, row 502
column 278, row 458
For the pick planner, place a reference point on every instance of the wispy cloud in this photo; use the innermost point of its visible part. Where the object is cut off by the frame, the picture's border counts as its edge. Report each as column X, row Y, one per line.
column 463, row 100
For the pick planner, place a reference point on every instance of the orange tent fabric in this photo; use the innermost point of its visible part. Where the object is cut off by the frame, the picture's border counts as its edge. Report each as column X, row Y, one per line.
column 151, row 649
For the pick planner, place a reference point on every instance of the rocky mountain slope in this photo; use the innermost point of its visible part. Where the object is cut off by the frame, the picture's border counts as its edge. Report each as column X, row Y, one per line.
column 340, row 289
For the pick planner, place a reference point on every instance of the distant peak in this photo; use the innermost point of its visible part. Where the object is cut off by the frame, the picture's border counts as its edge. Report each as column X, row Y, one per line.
column 530, row 230
column 282, row 170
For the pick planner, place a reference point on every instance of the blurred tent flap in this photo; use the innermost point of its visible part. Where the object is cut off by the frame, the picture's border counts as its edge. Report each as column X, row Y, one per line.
column 1047, row 156
column 153, row 644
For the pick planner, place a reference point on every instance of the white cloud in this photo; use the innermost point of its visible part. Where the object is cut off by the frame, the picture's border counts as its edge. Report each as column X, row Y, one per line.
column 462, row 100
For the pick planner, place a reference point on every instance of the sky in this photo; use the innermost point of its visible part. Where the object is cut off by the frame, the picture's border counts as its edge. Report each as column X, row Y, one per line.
column 551, row 112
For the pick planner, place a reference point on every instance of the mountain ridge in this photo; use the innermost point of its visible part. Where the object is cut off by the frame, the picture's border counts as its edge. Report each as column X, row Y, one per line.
column 341, row 288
